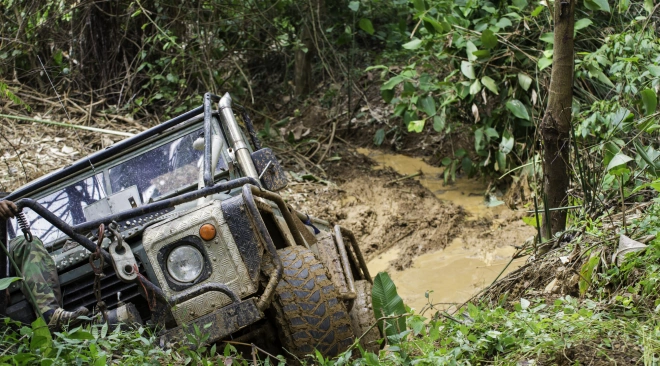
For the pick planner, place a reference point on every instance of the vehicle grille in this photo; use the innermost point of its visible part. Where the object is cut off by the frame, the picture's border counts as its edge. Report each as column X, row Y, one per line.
column 81, row 292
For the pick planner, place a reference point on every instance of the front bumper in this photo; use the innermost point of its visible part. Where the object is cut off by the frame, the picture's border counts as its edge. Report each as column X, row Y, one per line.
column 223, row 322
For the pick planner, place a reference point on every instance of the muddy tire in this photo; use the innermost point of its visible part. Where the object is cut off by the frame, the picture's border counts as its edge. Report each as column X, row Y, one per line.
column 362, row 317
column 307, row 311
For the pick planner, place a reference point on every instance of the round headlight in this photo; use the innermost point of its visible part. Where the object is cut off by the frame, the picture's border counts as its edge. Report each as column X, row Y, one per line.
column 185, row 263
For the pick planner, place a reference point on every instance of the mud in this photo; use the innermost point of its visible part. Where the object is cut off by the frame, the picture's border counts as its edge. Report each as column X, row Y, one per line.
column 427, row 235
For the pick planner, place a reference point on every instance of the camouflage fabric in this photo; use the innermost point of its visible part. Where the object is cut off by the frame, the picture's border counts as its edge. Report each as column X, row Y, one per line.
column 38, row 270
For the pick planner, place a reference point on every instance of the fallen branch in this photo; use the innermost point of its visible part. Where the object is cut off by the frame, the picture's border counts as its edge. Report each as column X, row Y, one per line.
column 61, row 124
column 406, row 177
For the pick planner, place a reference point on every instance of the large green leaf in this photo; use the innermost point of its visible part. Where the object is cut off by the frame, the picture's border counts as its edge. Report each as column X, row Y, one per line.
column 439, row 121
column 5, row 282
column 475, row 87
column 582, row 23
column 654, row 70
column 587, row 271
column 427, row 104
column 392, row 82
column 618, row 159
column 470, row 48
column 416, row 126
column 365, row 25
column 597, row 5
column 649, row 159
column 544, row 62
column 648, row 6
column 467, row 69
column 41, row 338
column 518, row 109
column 437, row 26
column 609, row 150
column 490, row 84
column 507, row 144
column 379, row 137
column 524, row 80
column 548, row 37
column 386, row 301
column 500, row 159
column 413, row 45
column 520, row 4
column 419, row 5
column 650, row 101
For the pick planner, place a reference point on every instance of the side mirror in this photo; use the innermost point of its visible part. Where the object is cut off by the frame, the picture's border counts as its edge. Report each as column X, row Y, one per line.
column 270, row 171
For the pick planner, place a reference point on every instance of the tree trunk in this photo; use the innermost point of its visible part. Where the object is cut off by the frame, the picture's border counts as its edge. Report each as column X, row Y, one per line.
column 556, row 124
column 303, row 68
column 309, row 27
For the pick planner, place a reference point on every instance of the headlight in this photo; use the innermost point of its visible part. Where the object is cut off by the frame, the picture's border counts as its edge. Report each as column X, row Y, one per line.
column 185, row 263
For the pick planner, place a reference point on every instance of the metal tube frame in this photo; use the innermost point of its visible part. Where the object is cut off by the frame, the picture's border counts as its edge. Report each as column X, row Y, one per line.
column 262, row 231
column 208, row 176
column 62, row 225
column 102, row 155
column 167, row 203
column 358, row 253
column 297, row 237
column 241, row 148
column 343, row 257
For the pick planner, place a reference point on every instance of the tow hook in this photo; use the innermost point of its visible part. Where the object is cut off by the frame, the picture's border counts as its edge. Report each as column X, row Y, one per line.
column 122, row 256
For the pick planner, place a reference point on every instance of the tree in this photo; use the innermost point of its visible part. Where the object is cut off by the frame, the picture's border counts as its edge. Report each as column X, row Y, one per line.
column 556, row 124
column 307, row 47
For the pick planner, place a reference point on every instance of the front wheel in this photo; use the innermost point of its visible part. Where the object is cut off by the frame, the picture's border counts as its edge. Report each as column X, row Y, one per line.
column 362, row 317
column 306, row 308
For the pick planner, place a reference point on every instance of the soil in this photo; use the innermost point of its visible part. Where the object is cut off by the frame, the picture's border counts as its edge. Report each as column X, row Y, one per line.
column 382, row 216
column 403, row 225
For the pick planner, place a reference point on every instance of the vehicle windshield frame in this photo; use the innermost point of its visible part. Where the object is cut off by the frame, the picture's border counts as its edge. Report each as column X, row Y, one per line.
column 134, row 150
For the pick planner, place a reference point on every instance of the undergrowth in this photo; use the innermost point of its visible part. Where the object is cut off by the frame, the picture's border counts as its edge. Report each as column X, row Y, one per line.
column 615, row 319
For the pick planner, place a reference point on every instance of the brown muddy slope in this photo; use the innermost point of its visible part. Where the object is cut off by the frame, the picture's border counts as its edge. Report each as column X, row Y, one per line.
column 429, row 236
column 383, row 215
column 406, row 215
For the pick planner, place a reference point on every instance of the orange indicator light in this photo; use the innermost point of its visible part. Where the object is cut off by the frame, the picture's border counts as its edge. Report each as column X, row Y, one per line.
column 207, row 232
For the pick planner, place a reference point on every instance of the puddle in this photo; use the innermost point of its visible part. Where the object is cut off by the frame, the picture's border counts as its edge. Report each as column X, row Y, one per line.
column 470, row 262
column 468, row 193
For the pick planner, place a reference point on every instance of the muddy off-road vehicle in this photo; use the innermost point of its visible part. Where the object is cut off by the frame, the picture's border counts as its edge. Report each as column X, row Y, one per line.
column 180, row 226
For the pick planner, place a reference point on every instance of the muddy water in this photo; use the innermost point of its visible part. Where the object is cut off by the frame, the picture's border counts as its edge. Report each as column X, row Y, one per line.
column 469, row 262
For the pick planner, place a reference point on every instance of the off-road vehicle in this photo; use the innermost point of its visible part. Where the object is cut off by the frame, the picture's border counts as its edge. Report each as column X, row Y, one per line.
column 180, row 226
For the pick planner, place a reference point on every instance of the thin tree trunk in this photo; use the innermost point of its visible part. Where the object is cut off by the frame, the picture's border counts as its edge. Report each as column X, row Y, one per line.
column 556, row 124
column 303, row 78
column 303, row 68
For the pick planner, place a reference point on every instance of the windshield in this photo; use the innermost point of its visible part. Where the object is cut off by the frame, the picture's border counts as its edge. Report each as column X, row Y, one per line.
column 67, row 204
column 155, row 172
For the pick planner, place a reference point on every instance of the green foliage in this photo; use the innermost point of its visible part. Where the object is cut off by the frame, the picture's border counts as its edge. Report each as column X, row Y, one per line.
column 7, row 281
column 6, row 93
column 96, row 345
column 490, row 61
column 387, row 302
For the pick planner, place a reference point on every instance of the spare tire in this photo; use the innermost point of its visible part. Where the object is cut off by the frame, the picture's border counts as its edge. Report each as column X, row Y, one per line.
column 306, row 307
